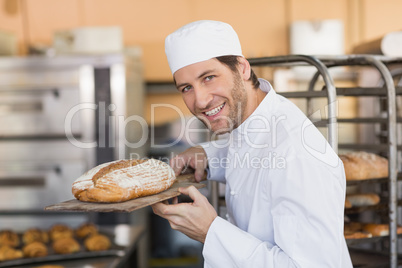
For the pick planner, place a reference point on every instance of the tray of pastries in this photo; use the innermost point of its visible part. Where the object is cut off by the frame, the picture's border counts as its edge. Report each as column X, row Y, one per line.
column 60, row 242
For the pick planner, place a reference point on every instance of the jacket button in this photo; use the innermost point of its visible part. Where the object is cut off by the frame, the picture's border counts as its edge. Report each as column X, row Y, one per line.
column 232, row 192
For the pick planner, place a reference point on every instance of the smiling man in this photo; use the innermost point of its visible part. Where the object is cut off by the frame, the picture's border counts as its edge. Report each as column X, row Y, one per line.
column 287, row 215
column 216, row 94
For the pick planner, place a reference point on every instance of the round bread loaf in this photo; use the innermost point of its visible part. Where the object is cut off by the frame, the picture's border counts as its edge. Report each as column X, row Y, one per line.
column 66, row 245
column 35, row 249
column 9, row 253
column 123, row 180
column 59, row 231
column 9, row 238
column 85, row 230
column 35, row 234
column 97, row 242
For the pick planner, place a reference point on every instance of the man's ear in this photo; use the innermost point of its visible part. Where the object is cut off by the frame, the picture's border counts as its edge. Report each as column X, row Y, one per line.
column 244, row 68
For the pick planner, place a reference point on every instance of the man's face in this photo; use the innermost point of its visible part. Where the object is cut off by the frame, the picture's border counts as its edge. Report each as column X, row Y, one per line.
column 214, row 94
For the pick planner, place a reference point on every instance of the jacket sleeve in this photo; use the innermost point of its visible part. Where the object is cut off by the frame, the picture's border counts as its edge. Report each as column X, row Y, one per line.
column 217, row 159
column 229, row 245
column 307, row 218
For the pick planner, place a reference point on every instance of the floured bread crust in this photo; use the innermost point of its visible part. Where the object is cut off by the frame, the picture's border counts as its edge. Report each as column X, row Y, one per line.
column 123, row 180
column 364, row 165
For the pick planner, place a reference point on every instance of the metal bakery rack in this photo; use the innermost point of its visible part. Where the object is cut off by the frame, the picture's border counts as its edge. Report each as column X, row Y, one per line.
column 386, row 92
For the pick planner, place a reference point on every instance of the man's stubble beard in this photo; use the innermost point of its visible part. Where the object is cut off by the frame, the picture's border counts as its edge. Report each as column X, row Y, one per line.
column 237, row 108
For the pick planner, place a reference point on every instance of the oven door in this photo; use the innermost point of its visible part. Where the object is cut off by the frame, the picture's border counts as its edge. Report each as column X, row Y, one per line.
column 35, row 174
column 37, row 112
column 32, row 186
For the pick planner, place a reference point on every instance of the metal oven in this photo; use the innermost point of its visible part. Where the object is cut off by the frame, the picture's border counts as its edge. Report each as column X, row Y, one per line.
column 54, row 125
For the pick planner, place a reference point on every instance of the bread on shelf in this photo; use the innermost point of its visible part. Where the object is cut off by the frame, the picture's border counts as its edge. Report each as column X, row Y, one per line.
column 9, row 253
column 66, row 245
column 97, row 242
column 85, row 230
column 35, row 235
column 347, row 203
column 9, row 238
column 353, row 230
column 363, row 165
column 379, row 229
column 363, row 199
column 59, row 231
column 357, row 235
column 35, row 249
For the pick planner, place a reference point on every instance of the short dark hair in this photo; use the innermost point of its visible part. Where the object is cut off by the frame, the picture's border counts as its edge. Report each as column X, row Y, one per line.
column 231, row 62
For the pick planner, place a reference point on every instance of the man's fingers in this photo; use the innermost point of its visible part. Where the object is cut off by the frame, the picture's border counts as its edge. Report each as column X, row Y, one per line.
column 177, row 163
column 199, row 174
column 161, row 208
column 191, row 191
column 194, row 157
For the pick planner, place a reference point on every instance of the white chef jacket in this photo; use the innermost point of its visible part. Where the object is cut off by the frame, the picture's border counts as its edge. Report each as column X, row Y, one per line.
column 285, row 193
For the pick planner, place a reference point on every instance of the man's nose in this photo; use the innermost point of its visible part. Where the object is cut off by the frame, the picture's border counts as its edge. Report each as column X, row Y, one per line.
column 202, row 97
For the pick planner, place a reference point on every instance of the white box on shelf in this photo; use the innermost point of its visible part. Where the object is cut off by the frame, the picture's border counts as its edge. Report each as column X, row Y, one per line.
column 89, row 40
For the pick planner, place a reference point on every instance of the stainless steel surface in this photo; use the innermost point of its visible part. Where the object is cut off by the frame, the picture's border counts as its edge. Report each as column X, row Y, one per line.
column 50, row 130
column 329, row 83
column 392, row 143
column 392, row 158
column 31, row 185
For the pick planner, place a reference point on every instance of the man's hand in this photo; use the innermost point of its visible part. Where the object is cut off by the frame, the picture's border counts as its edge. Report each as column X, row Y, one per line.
column 194, row 157
column 192, row 219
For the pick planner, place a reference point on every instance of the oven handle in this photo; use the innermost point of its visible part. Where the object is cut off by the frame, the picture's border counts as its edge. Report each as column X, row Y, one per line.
column 32, row 176
column 31, row 90
column 34, row 181
column 38, row 168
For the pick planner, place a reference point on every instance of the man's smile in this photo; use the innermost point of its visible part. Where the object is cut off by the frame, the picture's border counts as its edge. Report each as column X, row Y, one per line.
column 215, row 110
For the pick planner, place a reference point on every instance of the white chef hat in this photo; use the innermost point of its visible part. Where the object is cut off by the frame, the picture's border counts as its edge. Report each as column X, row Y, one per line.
column 199, row 41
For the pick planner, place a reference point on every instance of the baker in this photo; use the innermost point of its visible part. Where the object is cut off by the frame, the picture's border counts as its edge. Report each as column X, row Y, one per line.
column 285, row 186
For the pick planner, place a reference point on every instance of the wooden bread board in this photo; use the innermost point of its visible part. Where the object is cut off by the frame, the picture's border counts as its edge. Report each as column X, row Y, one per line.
column 130, row 205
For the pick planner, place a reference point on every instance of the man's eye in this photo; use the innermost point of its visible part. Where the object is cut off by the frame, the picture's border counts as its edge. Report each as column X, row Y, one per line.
column 185, row 89
column 209, row 77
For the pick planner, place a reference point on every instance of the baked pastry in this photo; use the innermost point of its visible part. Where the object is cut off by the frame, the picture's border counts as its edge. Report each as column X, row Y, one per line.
column 123, row 180
column 59, row 231
column 352, row 227
column 85, row 230
column 357, row 235
column 361, row 200
column 35, row 234
column 379, row 229
column 362, row 165
column 9, row 253
column 353, row 230
column 35, row 249
column 347, row 203
column 66, row 245
column 97, row 242
column 9, row 238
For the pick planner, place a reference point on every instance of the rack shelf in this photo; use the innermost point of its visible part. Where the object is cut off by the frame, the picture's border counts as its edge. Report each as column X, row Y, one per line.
column 389, row 92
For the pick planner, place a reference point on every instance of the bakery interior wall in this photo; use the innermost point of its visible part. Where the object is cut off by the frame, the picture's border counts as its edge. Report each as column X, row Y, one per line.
column 262, row 26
